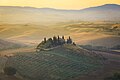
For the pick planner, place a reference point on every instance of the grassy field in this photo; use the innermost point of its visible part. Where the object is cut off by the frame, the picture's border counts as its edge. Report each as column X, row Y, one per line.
column 63, row 63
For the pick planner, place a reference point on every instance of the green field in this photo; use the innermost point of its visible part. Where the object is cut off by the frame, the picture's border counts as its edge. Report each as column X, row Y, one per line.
column 62, row 63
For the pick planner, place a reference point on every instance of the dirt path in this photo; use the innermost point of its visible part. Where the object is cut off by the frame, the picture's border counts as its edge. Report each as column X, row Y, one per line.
column 11, row 52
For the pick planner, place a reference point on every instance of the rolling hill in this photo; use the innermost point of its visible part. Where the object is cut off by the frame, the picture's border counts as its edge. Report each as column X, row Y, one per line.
column 95, row 33
column 109, row 42
column 28, row 25
column 62, row 63
column 16, row 14
column 9, row 45
column 29, row 34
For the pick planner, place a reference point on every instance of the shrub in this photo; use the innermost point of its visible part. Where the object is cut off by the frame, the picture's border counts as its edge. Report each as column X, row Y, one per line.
column 10, row 71
column 116, row 76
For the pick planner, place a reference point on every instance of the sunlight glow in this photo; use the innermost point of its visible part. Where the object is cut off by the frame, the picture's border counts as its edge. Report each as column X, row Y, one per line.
column 59, row 4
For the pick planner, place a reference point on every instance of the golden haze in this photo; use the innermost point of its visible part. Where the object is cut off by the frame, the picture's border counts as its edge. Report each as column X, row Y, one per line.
column 59, row 4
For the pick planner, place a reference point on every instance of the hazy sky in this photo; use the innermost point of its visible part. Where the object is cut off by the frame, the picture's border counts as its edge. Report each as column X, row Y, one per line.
column 60, row 4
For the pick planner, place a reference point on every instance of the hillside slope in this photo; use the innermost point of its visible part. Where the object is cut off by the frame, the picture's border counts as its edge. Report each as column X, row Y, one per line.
column 4, row 77
column 97, row 33
column 8, row 45
column 106, row 41
column 62, row 63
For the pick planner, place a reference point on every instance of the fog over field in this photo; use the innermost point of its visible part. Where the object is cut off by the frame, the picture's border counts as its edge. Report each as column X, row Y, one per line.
column 30, row 25
column 18, row 14
column 57, row 44
column 95, row 33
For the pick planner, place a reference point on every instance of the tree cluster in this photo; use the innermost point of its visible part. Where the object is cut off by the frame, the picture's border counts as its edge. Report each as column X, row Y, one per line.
column 55, row 41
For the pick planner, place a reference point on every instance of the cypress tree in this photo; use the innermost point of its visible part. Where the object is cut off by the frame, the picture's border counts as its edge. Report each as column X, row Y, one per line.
column 63, row 38
column 45, row 40
column 70, row 40
column 54, row 40
column 59, row 42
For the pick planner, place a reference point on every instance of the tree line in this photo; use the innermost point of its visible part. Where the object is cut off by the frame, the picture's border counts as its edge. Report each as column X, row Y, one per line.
column 55, row 41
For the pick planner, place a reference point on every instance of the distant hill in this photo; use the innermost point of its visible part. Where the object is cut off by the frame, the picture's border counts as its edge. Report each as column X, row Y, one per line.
column 105, row 12
column 8, row 45
column 109, row 42
column 104, row 7
column 62, row 63
column 15, row 14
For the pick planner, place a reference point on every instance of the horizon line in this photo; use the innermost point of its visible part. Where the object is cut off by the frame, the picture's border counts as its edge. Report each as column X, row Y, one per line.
column 58, row 8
